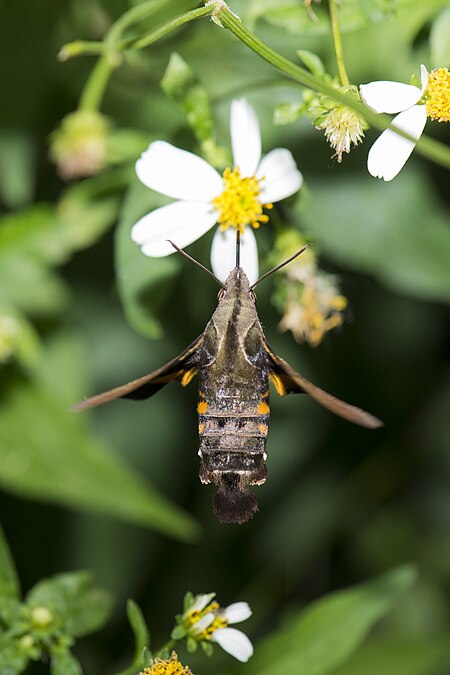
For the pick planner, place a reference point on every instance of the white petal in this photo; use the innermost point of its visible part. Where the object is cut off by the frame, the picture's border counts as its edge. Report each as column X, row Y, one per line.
column 182, row 222
column 245, row 137
column 201, row 601
column 202, row 623
column 223, row 254
column 178, row 173
column 389, row 97
column 281, row 176
column 234, row 642
column 238, row 611
column 423, row 77
column 389, row 153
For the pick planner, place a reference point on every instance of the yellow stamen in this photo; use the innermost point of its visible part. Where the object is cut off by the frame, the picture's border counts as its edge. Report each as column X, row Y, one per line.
column 218, row 622
column 437, row 95
column 171, row 666
column 239, row 203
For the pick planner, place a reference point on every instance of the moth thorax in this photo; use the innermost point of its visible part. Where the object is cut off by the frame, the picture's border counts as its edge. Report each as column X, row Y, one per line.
column 233, row 501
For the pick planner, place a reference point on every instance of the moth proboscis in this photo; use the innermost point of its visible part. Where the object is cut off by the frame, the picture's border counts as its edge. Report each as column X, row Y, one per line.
column 234, row 365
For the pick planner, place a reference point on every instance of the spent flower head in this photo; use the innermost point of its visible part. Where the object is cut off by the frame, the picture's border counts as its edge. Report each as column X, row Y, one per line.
column 204, row 621
column 390, row 151
column 236, row 200
column 343, row 126
column 308, row 297
column 170, row 666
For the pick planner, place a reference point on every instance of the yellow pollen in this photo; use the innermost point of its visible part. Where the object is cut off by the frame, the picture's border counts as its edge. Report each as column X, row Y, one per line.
column 437, row 95
column 171, row 666
column 263, row 429
column 239, row 203
column 218, row 622
column 201, row 427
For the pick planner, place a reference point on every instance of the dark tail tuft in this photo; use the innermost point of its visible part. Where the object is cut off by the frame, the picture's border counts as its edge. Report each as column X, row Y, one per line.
column 234, row 506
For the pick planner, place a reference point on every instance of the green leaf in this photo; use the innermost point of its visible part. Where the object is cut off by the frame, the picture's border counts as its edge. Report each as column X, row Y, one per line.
column 47, row 453
column 327, row 632
column 9, row 581
column 295, row 18
column 147, row 657
column 13, row 659
column 143, row 282
column 72, row 599
column 397, row 231
column 64, row 663
column 141, row 637
column 439, row 42
column 43, row 236
column 400, row 656
column 18, row 338
column 184, row 87
column 9, row 584
column 17, row 168
column 288, row 113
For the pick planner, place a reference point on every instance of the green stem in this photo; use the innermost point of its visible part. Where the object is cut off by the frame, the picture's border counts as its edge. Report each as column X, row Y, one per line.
column 92, row 94
column 97, row 82
column 428, row 147
column 338, row 44
column 159, row 32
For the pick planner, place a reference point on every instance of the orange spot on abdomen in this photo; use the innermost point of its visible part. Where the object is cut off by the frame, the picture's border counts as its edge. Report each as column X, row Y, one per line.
column 202, row 407
column 263, row 408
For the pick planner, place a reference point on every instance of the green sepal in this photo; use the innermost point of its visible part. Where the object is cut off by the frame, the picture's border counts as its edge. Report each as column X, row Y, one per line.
column 178, row 633
column 207, row 647
column 191, row 645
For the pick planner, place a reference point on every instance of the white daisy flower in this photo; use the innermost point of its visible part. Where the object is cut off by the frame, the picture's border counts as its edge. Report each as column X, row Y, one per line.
column 389, row 153
column 234, row 200
column 206, row 620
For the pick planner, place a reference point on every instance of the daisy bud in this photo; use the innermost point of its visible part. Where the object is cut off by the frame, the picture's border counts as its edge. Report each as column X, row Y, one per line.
column 79, row 146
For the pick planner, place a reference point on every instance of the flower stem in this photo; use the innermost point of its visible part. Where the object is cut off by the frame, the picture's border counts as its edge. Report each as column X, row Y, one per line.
column 165, row 28
column 428, row 147
column 109, row 49
column 338, row 44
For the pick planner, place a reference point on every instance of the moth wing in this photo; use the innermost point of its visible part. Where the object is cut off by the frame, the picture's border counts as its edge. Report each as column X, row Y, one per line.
column 182, row 368
column 287, row 381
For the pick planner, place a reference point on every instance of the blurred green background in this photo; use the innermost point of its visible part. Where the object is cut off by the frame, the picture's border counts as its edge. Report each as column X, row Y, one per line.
column 116, row 491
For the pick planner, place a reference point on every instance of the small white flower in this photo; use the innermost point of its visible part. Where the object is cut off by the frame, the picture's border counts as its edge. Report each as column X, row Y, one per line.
column 207, row 620
column 234, row 200
column 390, row 151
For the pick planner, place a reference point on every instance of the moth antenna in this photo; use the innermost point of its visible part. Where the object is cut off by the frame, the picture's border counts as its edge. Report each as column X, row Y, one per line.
column 238, row 248
column 202, row 267
column 278, row 267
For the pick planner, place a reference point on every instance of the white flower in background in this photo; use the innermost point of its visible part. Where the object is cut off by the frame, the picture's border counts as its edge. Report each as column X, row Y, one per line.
column 206, row 620
column 389, row 153
column 234, row 200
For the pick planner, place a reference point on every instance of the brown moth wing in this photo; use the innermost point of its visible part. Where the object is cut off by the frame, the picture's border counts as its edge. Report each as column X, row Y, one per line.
column 287, row 381
column 182, row 368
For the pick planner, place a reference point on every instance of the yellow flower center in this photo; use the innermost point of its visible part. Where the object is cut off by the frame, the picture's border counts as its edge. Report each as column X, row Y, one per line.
column 437, row 95
column 219, row 621
column 239, row 203
column 167, row 667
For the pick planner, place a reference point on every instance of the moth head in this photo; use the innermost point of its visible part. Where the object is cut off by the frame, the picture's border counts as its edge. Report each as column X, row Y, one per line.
column 233, row 503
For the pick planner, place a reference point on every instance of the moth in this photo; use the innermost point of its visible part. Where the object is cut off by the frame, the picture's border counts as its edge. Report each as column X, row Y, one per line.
column 234, row 365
